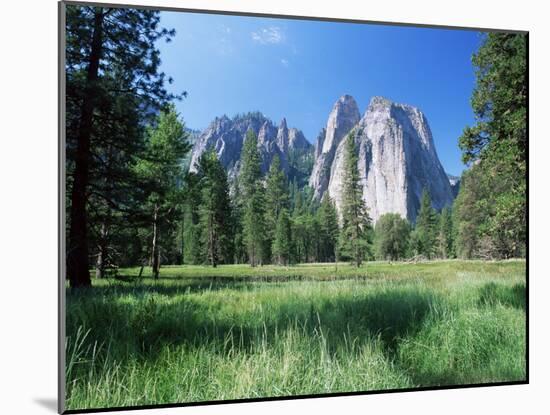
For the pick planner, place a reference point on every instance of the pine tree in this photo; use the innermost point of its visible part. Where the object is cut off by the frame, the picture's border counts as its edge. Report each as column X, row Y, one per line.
column 240, row 255
column 276, row 199
column 327, row 218
column 282, row 243
column 253, row 197
column 471, row 212
column 445, row 239
column 214, row 210
column 190, row 219
column 108, row 50
column 426, row 226
column 392, row 236
column 496, row 149
column 161, row 175
column 356, row 223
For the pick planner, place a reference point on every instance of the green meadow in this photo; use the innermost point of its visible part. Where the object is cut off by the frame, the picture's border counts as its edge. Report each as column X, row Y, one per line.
column 232, row 332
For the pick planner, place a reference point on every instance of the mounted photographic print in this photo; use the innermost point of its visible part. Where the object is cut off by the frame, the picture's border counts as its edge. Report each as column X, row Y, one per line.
column 259, row 207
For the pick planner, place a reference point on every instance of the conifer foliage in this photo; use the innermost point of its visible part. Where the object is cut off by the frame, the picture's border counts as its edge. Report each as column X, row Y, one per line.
column 253, row 201
column 356, row 224
column 214, row 210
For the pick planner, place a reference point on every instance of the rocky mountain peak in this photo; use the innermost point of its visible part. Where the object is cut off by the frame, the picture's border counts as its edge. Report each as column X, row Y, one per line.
column 343, row 117
column 226, row 136
column 282, row 135
column 397, row 161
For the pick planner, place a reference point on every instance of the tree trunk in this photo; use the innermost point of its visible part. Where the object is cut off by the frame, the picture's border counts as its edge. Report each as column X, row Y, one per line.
column 77, row 252
column 102, row 252
column 99, row 267
column 357, row 249
column 211, row 247
column 182, row 241
column 253, row 256
column 336, row 257
column 155, row 255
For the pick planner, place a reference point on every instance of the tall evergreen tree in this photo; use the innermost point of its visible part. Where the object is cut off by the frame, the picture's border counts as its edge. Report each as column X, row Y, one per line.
column 190, row 219
column 276, row 198
column 110, row 55
column 327, row 218
column 392, row 236
column 445, row 238
column 356, row 223
column 253, row 197
column 426, row 226
column 471, row 214
column 240, row 255
column 303, row 226
column 282, row 243
column 497, row 146
column 214, row 210
column 161, row 174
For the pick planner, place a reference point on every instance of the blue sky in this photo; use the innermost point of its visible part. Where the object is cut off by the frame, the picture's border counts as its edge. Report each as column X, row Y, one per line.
column 297, row 69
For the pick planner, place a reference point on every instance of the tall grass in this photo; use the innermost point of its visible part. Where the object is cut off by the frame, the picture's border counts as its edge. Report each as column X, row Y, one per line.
column 229, row 335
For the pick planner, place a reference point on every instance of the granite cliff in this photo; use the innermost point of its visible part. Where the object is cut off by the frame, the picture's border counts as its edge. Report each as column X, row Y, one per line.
column 397, row 160
column 226, row 136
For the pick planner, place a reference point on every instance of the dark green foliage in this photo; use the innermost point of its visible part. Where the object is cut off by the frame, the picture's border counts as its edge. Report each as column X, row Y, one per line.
column 392, row 237
column 214, row 211
column 355, row 236
column 426, row 227
column 276, row 199
column 282, row 242
column 328, row 230
column 253, row 201
column 300, row 165
column 113, row 89
column 492, row 208
column 240, row 254
column 499, row 101
column 446, row 234
column 305, row 227
column 303, row 232
column 190, row 220
column 160, row 173
column 469, row 215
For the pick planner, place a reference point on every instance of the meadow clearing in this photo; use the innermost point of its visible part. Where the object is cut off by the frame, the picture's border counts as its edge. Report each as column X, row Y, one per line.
column 231, row 332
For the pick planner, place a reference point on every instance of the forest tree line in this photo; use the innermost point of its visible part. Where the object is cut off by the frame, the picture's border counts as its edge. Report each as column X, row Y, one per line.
column 130, row 202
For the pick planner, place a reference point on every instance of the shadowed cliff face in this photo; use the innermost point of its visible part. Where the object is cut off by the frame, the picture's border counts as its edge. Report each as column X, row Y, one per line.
column 226, row 136
column 397, row 160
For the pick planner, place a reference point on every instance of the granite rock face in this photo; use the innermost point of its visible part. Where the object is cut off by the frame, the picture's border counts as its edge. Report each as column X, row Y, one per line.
column 397, row 160
column 226, row 136
column 343, row 117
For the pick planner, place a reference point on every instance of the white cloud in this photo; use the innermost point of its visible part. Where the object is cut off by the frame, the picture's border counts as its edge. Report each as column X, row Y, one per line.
column 284, row 62
column 268, row 35
column 223, row 44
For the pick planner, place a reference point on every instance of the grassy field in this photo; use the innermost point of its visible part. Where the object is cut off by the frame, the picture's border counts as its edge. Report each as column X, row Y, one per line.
column 234, row 332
